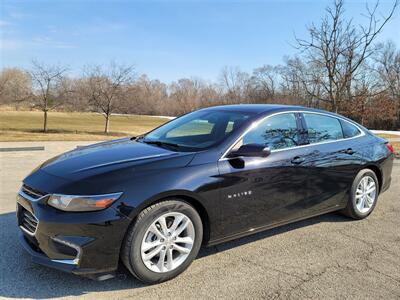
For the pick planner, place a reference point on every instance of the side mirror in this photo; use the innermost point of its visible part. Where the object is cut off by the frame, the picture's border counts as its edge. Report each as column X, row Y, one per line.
column 251, row 150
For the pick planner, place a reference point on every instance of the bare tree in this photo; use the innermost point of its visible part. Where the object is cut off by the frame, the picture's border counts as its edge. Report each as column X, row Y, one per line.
column 337, row 48
column 235, row 83
column 388, row 60
column 15, row 86
column 186, row 93
column 265, row 82
column 367, row 88
column 388, row 68
column 106, row 86
column 77, row 100
column 302, row 81
column 4, row 79
column 48, row 88
column 145, row 96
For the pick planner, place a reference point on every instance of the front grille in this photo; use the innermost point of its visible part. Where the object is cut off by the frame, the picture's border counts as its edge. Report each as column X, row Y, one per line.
column 31, row 192
column 27, row 221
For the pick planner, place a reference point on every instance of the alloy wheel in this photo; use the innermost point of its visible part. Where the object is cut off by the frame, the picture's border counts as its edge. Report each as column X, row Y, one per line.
column 365, row 194
column 167, row 242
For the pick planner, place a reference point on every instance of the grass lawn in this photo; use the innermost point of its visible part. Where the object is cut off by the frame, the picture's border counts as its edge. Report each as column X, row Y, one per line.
column 395, row 144
column 27, row 126
column 396, row 147
column 389, row 136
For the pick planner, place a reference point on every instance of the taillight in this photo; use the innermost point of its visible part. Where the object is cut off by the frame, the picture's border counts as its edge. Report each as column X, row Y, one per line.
column 390, row 147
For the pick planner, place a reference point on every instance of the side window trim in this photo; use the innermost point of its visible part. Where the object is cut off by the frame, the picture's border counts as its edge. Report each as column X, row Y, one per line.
column 304, row 126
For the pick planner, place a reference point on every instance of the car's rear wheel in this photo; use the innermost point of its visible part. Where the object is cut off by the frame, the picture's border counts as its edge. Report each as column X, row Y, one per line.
column 163, row 241
column 363, row 195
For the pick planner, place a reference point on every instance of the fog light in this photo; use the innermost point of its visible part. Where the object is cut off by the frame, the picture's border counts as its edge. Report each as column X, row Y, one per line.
column 78, row 249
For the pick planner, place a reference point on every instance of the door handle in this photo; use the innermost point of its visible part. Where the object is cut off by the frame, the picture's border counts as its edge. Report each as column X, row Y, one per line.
column 348, row 151
column 297, row 160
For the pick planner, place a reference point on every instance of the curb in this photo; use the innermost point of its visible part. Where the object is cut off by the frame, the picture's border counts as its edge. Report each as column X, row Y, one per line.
column 17, row 149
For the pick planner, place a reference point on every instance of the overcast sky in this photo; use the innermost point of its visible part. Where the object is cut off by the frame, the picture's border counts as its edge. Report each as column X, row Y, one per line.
column 164, row 39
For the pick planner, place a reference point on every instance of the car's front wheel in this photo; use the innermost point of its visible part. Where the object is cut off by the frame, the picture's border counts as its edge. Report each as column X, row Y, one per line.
column 363, row 195
column 163, row 241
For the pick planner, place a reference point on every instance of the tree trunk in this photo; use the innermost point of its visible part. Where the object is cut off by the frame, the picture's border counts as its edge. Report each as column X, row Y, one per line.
column 107, row 123
column 362, row 112
column 45, row 121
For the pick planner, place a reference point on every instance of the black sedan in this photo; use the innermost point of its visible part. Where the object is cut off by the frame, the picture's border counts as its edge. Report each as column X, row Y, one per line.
column 207, row 177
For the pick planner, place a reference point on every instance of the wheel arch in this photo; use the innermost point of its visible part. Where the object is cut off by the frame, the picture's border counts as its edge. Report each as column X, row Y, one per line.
column 182, row 195
column 378, row 173
column 205, row 220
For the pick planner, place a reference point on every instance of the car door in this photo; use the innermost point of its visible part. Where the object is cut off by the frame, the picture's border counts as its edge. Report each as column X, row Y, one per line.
column 333, row 158
column 257, row 191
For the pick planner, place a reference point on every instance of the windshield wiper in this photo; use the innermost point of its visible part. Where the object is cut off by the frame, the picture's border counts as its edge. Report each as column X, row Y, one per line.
column 161, row 143
column 137, row 138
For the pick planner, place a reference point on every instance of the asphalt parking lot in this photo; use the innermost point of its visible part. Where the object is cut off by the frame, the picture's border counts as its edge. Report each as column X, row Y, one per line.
column 329, row 257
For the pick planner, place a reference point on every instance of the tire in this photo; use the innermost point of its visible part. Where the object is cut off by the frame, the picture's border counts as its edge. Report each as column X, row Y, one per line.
column 355, row 209
column 147, row 230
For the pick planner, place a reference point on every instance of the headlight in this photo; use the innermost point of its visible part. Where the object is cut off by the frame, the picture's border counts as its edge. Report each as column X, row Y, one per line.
column 82, row 203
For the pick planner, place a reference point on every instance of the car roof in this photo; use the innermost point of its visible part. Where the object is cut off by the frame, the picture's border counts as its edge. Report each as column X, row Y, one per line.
column 263, row 108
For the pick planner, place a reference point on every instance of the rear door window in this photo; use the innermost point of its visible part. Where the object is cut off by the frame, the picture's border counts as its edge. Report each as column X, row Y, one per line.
column 349, row 130
column 321, row 128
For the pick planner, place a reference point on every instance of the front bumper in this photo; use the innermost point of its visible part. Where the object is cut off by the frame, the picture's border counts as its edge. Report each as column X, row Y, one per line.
column 84, row 243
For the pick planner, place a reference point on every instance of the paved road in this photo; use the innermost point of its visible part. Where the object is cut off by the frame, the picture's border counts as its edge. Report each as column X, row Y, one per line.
column 324, row 257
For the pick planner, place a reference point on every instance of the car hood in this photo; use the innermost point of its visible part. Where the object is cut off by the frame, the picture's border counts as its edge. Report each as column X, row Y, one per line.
column 108, row 156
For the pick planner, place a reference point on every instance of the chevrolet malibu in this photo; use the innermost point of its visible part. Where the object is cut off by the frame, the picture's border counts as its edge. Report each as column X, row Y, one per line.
column 207, row 177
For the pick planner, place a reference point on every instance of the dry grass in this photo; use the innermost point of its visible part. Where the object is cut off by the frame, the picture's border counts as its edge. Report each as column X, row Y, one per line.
column 388, row 136
column 396, row 147
column 395, row 144
column 27, row 126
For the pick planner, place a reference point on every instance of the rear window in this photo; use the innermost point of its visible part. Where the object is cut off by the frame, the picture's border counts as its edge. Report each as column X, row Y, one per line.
column 349, row 130
column 322, row 128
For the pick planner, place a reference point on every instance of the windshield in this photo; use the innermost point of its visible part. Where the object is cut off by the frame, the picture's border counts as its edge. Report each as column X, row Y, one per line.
column 197, row 130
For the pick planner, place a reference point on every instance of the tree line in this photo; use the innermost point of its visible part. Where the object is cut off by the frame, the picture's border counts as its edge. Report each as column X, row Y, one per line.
column 340, row 66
